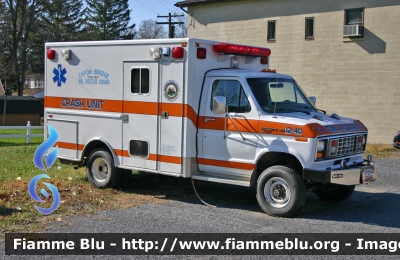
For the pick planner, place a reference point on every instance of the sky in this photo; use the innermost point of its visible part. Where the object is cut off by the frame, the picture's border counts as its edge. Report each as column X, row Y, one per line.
column 149, row 9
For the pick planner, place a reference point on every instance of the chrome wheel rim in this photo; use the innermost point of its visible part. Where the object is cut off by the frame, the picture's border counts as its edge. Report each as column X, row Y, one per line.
column 277, row 192
column 100, row 170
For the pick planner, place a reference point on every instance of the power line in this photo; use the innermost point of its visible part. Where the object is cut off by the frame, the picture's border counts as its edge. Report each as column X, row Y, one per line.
column 171, row 5
column 164, row 5
column 171, row 24
column 146, row 7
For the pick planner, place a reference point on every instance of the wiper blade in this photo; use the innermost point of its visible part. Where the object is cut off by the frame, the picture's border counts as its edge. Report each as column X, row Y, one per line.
column 322, row 111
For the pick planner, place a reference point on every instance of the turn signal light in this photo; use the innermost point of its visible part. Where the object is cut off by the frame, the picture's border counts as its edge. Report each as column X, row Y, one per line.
column 333, row 147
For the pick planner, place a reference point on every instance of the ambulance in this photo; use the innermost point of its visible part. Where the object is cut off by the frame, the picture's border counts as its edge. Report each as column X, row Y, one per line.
column 200, row 109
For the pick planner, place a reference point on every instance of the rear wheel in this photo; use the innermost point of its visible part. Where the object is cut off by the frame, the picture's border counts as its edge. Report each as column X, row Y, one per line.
column 101, row 171
column 281, row 191
column 335, row 192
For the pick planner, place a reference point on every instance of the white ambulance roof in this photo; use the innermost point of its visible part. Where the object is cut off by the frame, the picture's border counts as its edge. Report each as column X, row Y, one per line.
column 245, row 74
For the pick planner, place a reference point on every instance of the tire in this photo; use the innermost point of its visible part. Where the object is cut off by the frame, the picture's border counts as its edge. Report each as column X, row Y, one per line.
column 101, row 171
column 281, row 192
column 335, row 192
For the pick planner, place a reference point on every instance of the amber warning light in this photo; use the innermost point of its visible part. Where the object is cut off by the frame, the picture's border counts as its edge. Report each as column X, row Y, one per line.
column 227, row 48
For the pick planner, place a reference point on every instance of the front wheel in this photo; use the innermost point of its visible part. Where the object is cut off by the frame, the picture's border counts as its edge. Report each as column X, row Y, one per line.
column 281, row 191
column 335, row 192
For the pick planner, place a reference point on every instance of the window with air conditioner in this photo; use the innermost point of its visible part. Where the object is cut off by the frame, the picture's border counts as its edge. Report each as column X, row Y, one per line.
column 354, row 23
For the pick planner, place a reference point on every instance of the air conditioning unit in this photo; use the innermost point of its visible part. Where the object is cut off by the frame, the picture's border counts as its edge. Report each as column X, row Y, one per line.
column 352, row 30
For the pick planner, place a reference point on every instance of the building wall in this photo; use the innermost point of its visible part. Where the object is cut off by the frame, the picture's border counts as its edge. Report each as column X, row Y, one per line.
column 357, row 78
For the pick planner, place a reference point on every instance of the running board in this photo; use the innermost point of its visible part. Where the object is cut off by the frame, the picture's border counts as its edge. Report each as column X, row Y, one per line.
column 221, row 180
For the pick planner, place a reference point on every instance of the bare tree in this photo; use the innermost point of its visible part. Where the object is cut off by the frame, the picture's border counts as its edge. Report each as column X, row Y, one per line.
column 181, row 29
column 148, row 29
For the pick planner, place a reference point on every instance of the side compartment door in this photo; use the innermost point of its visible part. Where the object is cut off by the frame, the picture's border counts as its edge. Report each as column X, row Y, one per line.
column 172, row 91
column 140, row 124
column 226, row 152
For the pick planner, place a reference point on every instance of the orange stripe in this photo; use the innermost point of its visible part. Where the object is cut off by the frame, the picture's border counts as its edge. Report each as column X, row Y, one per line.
column 121, row 152
column 183, row 110
column 169, row 159
column 64, row 145
column 83, row 104
column 189, row 113
column 135, row 107
column 152, row 157
column 172, row 109
column 132, row 107
column 227, row 164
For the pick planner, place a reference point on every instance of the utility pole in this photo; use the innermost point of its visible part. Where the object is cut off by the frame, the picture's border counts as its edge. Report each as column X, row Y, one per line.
column 171, row 24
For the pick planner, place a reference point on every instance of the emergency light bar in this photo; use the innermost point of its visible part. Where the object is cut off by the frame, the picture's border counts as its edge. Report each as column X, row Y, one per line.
column 227, row 48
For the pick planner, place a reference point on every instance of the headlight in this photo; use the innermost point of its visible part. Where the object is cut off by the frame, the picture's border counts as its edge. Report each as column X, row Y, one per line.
column 321, row 149
column 321, row 146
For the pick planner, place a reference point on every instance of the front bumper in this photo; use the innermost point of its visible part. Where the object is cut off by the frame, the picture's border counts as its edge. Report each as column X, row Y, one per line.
column 360, row 173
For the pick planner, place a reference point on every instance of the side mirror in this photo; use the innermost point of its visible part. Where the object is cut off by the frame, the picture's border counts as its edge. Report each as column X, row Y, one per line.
column 313, row 99
column 219, row 105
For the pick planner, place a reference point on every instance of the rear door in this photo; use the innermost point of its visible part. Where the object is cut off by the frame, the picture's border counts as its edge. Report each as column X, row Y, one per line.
column 140, row 123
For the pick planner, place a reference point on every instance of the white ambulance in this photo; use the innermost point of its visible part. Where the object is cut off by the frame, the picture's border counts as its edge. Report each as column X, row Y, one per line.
column 199, row 109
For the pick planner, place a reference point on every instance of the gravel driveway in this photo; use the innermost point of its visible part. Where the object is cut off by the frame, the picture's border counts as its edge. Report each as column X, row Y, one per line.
column 373, row 208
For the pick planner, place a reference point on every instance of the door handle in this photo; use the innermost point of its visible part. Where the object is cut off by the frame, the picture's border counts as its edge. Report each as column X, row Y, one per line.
column 209, row 119
column 164, row 115
column 125, row 118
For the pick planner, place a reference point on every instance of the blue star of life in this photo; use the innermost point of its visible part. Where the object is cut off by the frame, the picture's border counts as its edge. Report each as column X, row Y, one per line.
column 59, row 75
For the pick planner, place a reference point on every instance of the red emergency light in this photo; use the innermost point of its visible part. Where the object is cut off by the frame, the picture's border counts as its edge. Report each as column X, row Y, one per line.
column 201, row 53
column 227, row 48
column 51, row 54
column 178, row 52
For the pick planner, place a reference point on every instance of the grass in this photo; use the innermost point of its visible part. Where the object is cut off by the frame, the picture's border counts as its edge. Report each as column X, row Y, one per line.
column 78, row 196
column 381, row 150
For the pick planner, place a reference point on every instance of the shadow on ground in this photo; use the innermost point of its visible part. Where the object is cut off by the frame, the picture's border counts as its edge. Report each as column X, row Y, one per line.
column 379, row 208
column 4, row 211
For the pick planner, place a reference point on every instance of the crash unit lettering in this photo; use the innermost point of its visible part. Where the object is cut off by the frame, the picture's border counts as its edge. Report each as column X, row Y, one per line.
column 82, row 104
column 200, row 109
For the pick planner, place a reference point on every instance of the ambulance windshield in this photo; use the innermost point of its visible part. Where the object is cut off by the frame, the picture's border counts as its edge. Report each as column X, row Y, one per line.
column 281, row 95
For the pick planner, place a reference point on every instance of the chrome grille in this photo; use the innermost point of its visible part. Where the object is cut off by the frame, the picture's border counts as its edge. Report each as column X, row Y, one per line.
column 346, row 145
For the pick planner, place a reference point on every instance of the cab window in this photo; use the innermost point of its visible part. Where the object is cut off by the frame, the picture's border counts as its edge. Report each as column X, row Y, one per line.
column 232, row 90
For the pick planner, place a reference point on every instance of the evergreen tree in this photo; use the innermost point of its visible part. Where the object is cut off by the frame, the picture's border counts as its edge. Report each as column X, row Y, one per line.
column 63, row 20
column 109, row 20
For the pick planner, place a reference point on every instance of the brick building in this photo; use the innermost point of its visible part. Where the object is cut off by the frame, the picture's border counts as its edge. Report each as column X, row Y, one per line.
column 344, row 52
